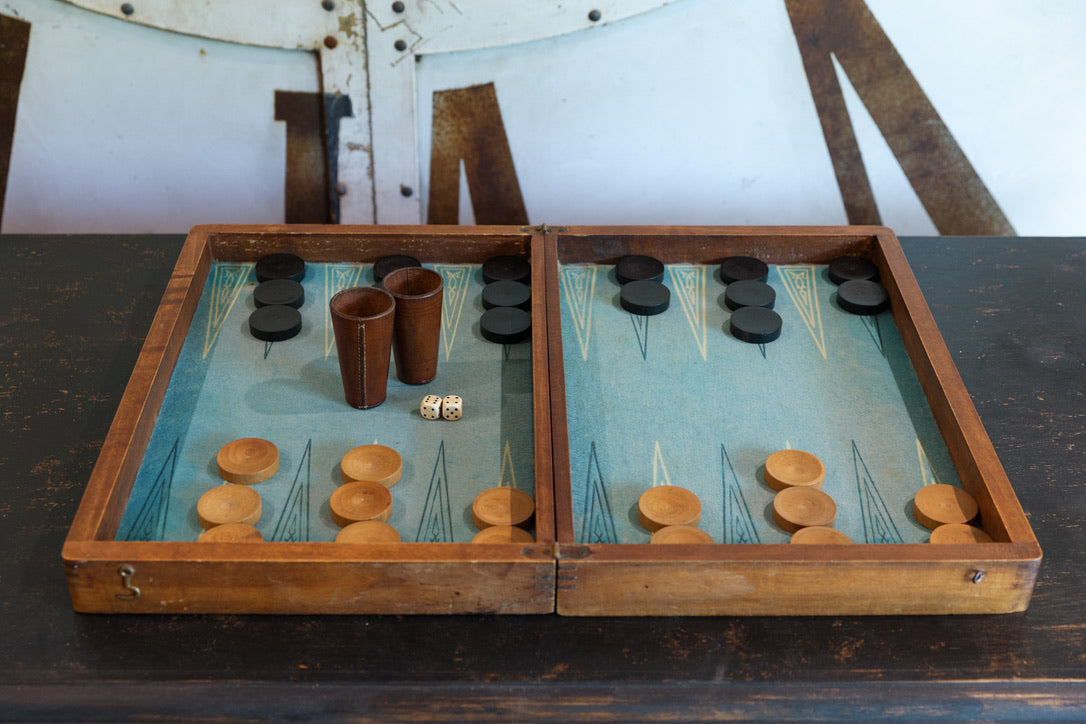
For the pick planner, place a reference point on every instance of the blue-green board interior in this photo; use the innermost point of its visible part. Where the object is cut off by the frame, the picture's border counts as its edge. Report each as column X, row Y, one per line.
column 228, row 385
column 675, row 399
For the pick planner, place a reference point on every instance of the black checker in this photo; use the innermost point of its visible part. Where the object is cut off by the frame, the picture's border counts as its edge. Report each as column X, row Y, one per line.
column 756, row 325
column 847, row 268
column 280, row 266
column 505, row 325
column 645, row 297
column 636, row 267
column 742, row 268
column 749, row 293
column 506, row 267
column 275, row 323
column 507, row 293
column 388, row 264
column 861, row 296
column 279, row 291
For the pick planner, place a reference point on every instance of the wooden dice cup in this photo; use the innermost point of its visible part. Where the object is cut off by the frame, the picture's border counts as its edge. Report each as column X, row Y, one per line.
column 419, row 293
column 362, row 320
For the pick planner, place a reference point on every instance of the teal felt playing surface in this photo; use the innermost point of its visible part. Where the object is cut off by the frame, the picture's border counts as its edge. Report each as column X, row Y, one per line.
column 675, row 399
column 229, row 385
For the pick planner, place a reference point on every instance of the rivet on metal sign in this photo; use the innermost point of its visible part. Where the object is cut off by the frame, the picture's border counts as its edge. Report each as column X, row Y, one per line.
column 328, row 5
column 128, row 8
column 341, row 188
column 406, row 190
column 594, row 15
column 397, row 7
column 330, row 42
column 401, row 45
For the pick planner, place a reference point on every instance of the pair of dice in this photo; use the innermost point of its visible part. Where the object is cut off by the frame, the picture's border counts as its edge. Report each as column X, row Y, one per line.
column 451, row 407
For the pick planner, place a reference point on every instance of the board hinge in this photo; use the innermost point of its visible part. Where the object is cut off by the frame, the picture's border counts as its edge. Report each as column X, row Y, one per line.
column 543, row 229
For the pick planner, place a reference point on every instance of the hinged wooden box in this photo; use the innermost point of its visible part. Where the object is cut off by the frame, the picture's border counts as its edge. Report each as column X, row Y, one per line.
column 598, row 407
column 675, row 399
column 201, row 380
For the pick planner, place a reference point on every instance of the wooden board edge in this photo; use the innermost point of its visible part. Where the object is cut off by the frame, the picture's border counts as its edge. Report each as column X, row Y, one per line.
column 541, row 397
column 309, row 578
column 967, row 440
column 338, row 243
column 563, row 490
column 130, row 429
column 798, row 588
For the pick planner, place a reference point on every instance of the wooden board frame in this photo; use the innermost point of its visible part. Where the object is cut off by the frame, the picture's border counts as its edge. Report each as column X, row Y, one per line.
column 783, row 579
column 110, row 576
column 556, row 573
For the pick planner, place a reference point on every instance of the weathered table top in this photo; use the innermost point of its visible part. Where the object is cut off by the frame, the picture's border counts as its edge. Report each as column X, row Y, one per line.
column 75, row 311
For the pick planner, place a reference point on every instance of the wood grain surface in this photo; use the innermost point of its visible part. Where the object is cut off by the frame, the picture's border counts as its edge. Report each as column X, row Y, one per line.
column 75, row 312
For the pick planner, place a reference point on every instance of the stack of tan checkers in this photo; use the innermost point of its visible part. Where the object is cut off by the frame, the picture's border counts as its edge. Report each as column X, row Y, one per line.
column 800, row 507
column 948, row 512
column 363, row 504
column 229, row 513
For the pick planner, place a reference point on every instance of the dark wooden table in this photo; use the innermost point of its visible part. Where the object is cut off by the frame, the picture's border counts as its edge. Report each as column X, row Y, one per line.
column 75, row 310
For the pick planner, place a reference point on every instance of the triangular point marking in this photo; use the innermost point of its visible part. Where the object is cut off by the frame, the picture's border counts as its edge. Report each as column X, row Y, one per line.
column 337, row 277
column 878, row 523
column 227, row 281
column 641, row 331
column 927, row 472
column 456, row 278
column 689, row 283
column 801, row 282
column 579, row 286
column 507, row 466
column 598, row 524
column 659, row 466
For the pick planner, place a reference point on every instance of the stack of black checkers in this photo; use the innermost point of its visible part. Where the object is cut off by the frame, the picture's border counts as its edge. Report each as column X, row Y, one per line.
column 858, row 289
column 643, row 291
column 751, row 300
column 507, row 298
column 278, row 296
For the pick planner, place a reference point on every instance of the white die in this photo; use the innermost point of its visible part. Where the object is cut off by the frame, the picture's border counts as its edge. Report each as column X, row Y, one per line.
column 430, row 407
column 452, row 407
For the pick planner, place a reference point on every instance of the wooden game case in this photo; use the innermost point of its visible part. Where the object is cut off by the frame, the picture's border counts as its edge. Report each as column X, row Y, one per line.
column 115, row 576
column 106, row 575
column 781, row 579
